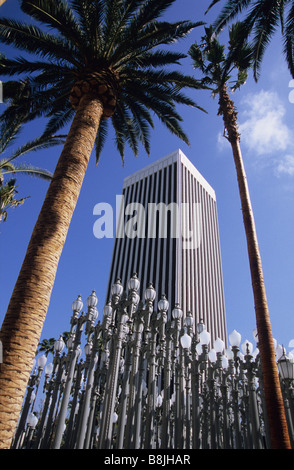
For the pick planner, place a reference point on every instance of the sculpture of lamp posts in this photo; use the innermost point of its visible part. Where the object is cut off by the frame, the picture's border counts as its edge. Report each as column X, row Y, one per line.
column 92, row 316
column 33, row 381
column 77, row 324
column 49, row 385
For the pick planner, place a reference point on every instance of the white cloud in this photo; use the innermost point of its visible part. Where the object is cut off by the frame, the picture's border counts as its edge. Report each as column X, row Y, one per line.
column 262, row 127
column 265, row 133
column 266, row 138
column 222, row 142
column 286, row 166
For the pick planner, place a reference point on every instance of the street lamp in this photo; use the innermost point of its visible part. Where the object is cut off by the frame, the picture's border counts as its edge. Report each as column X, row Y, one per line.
column 163, row 304
column 59, row 345
column 247, row 347
column 235, row 339
column 77, row 305
column 198, row 396
column 92, row 300
column 286, row 367
column 200, row 326
column 150, row 293
column 204, row 338
column 48, row 369
column 42, row 361
column 32, row 420
column 219, row 345
column 117, row 290
column 186, row 341
column 177, row 312
column 134, row 283
column 286, row 371
column 107, row 310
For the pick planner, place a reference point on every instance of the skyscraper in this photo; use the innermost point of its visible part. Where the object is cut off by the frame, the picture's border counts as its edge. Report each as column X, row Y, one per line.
column 167, row 232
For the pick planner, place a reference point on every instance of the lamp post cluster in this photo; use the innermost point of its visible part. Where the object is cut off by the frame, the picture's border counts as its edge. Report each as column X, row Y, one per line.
column 150, row 380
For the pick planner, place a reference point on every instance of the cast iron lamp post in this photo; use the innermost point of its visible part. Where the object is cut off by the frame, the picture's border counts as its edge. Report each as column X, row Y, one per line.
column 33, row 382
column 286, row 371
column 151, row 379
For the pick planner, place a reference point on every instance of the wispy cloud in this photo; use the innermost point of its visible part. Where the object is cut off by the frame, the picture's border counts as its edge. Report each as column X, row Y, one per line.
column 286, row 166
column 265, row 135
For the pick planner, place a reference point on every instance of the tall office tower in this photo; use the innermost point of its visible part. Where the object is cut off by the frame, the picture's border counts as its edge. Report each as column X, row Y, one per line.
column 167, row 233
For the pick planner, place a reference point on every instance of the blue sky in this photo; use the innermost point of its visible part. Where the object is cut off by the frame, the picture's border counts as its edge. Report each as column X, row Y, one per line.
column 265, row 113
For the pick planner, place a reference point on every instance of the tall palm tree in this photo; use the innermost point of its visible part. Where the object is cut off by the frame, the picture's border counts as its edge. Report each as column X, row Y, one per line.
column 261, row 20
column 98, row 59
column 13, row 97
column 7, row 198
column 217, row 67
column 8, row 167
column 46, row 346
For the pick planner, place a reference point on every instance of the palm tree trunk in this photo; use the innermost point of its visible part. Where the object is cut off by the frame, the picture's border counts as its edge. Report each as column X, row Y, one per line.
column 22, row 325
column 272, row 390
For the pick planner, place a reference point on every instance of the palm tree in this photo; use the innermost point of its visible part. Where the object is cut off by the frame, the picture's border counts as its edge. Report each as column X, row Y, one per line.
column 7, row 198
column 46, row 346
column 262, row 19
column 216, row 67
column 104, row 61
column 8, row 189
column 13, row 96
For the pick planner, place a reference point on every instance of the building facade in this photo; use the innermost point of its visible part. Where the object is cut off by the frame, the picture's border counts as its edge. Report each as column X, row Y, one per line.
column 167, row 232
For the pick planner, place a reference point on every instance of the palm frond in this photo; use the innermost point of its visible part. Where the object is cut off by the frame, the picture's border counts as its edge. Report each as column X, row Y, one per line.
column 129, row 126
column 7, row 198
column 120, row 135
column 72, row 39
column 21, row 65
column 266, row 22
column 231, row 9
column 59, row 119
column 134, row 43
column 26, row 169
column 6, row 166
column 100, row 139
column 220, row 65
column 56, row 15
column 142, row 121
column 90, row 16
column 34, row 40
column 260, row 19
column 214, row 2
column 41, row 143
column 158, row 58
column 149, row 12
column 289, row 40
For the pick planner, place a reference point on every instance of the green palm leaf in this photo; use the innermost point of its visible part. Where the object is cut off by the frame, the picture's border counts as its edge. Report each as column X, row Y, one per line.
column 97, row 55
column 82, row 37
column 261, row 19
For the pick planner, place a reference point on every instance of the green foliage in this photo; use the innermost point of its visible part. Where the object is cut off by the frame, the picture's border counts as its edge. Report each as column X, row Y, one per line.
column 261, row 19
column 15, row 93
column 46, row 346
column 7, row 198
column 220, row 66
column 85, row 36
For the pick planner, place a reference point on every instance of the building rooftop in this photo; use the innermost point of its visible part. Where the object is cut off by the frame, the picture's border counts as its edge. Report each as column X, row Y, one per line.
column 163, row 162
